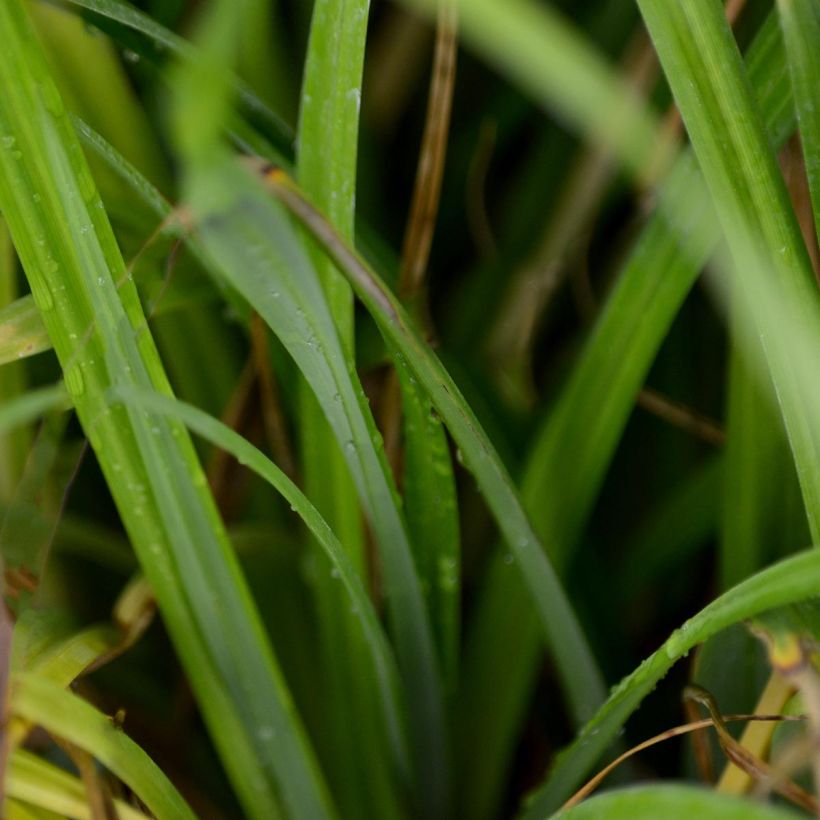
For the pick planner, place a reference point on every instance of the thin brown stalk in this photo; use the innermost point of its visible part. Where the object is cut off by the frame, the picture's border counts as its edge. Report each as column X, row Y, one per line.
column 681, row 416
column 514, row 333
column 676, row 731
column 756, row 768
column 418, row 237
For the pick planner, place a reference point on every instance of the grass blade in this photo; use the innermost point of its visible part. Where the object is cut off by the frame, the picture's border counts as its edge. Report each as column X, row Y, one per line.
column 786, row 582
column 253, row 246
column 31, row 405
column 751, row 201
column 36, row 699
column 326, row 164
column 21, row 331
column 132, row 18
column 218, row 434
column 430, row 502
column 100, row 338
column 42, row 784
column 800, row 21
column 649, row 802
column 576, row 442
column 580, row 677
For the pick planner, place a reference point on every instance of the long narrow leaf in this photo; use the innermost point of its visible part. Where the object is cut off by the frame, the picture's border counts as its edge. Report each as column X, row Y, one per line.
column 21, row 331
column 671, row 802
column 580, row 677
column 219, row 434
column 326, row 165
column 800, row 20
column 255, row 249
column 46, row 704
column 794, row 579
column 574, row 445
column 71, row 259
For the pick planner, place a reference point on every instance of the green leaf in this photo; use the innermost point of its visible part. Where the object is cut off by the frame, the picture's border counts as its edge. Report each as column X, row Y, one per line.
column 430, row 502
column 42, row 784
column 381, row 654
column 326, row 164
column 92, row 314
column 31, row 405
column 794, row 579
column 800, row 20
column 576, row 441
column 752, row 205
column 22, row 332
column 46, row 704
column 579, row 675
column 253, row 246
column 673, row 802
column 570, row 78
column 165, row 40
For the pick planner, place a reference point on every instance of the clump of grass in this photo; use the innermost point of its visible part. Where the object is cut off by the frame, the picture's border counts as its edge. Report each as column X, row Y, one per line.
column 469, row 442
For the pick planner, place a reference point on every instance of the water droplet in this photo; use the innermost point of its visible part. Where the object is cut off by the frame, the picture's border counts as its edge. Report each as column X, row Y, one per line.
column 508, row 558
column 8, row 141
column 130, row 56
column 265, row 733
column 74, row 381
column 335, row 574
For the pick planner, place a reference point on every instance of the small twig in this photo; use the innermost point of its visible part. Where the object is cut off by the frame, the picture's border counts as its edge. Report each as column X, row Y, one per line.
column 679, row 415
column 430, row 171
column 759, row 769
column 676, row 731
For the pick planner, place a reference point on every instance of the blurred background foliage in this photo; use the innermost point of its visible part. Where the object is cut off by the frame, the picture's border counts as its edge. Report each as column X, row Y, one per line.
column 533, row 231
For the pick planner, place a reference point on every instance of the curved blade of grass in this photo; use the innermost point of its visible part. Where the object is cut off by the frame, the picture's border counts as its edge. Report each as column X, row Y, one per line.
column 13, row 449
column 430, row 502
column 46, row 704
column 71, row 259
column 167, row 41
column 800, row 21
column 579, row 674
column 326, row 165
column 22, row 332
column 220, row 435
column 575, row 443
column 255, row 249
column 705, row 71
column 752, row 204
column 674, row 801
column 253, row 246
column 46, row 786
column 42, row 646
column 31, row 405
column 163, row 210
column 786, row 582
